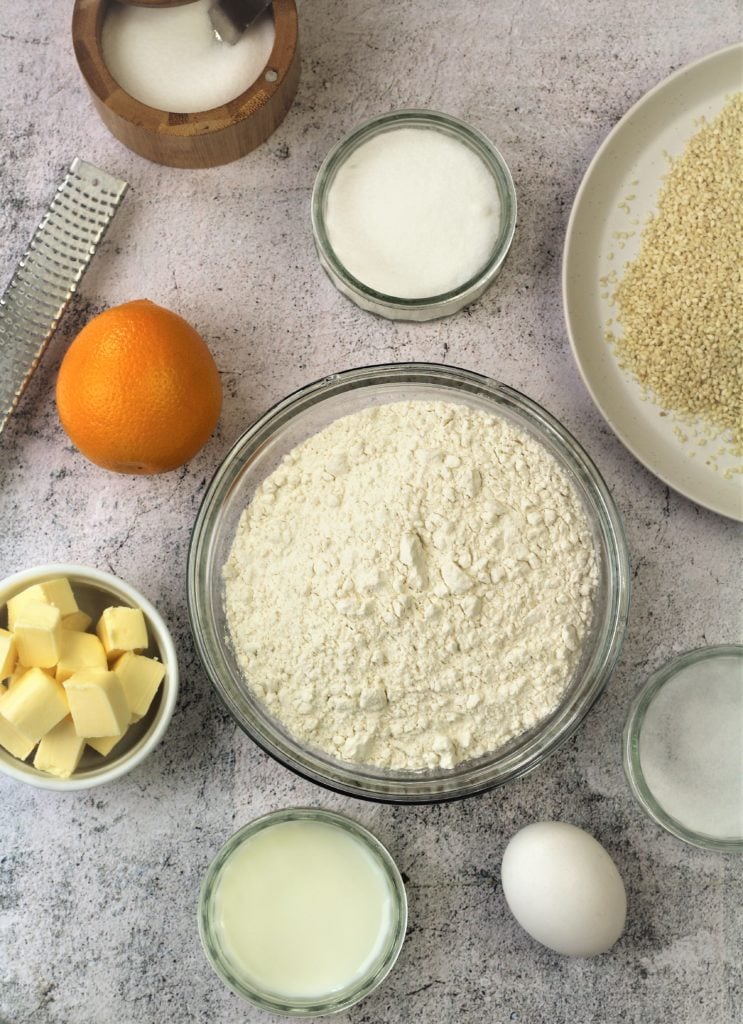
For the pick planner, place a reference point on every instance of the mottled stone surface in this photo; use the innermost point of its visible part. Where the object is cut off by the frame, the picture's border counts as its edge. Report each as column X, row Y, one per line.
column 98, row 890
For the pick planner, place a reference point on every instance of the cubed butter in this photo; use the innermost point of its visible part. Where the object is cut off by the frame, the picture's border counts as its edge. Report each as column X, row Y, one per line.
column 141, row 678
column 103, row 744
column 38, row 633
column 19, row 671
column 60, row 750
column 122, row 629
column 35, row 704
column 8, row 654
column 57, row 592
column 13, row 741
column 79, row 650
column 77, row 620
column 97, row 703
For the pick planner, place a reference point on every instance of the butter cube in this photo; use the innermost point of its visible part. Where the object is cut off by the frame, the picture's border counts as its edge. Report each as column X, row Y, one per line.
column 79, row 650
column 57, row 592
column 8, row 653
column 19, row 671
column 97, row 703
column 34, row 704
column 103, row 744
column 13, row 741
column 59, row 752
column 38, row 633
column 78, row 621
column 122, row 629
column 141, row 678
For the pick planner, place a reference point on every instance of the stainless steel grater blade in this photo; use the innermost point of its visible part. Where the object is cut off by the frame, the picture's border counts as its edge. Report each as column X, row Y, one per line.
column 48, row 274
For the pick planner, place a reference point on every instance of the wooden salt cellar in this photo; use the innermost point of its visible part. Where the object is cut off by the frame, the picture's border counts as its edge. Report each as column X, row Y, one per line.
column 205, row 139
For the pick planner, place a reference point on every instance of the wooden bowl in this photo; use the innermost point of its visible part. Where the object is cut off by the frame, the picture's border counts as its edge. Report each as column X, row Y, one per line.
column 205, row 139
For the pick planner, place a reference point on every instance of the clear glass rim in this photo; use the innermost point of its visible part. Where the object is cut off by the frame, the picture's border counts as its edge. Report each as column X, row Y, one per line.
column 476, row 140
column 466, row 779
column 317, row 1006
column 631, row 748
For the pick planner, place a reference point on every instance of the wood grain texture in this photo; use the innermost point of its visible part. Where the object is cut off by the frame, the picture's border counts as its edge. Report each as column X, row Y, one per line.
column 203, row 139
column 156, row 3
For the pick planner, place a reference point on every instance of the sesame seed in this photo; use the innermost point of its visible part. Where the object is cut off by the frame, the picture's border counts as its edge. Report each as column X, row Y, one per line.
column 680, row 302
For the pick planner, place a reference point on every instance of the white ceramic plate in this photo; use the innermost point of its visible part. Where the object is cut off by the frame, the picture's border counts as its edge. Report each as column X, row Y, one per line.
column 631, row 163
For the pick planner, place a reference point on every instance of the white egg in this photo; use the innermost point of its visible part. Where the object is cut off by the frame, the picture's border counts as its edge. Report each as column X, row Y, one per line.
column 564, row 889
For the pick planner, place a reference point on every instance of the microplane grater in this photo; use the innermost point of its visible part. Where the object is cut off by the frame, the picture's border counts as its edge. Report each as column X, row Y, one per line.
column 49, row 272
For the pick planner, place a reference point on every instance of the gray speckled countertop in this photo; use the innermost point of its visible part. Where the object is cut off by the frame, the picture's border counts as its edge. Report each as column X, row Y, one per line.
column 98, row 889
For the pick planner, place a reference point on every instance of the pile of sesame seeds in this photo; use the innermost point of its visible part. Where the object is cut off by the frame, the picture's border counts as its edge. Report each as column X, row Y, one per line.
column 680, row 302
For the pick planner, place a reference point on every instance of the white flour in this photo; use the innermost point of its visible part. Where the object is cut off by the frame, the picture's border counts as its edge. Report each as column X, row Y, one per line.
column 412, row 586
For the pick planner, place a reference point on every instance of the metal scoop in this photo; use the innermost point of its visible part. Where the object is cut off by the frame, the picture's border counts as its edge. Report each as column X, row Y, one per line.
column 230, row 18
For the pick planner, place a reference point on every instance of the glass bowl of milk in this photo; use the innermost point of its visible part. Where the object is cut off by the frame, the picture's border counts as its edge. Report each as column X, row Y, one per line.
column 413, row 214
column 302, row 912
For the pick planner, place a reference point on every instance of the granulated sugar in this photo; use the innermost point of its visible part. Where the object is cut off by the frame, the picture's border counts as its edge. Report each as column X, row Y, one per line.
column 691, row 747
column 412, row 586
column 170, row 58
column 413, row 213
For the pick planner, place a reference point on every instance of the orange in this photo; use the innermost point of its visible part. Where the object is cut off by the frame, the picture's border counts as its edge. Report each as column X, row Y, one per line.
column 138, row 390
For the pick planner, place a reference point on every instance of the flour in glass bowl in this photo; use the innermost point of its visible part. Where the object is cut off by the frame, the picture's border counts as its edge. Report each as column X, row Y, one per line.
column 412, row 587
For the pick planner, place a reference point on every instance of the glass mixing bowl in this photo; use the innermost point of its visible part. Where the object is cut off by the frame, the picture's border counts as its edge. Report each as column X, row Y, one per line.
column 258, row 452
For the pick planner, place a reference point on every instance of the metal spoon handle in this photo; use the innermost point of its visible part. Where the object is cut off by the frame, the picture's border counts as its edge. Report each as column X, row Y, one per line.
column 230, row 18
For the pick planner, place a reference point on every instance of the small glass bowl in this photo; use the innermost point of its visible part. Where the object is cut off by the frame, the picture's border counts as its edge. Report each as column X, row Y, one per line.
column 94, row 591
column 433, row 306
column 336, row 1001
column 259, row 451
column 724, row 658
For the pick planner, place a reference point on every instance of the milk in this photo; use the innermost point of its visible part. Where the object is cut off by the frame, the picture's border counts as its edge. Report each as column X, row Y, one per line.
column 413, row 213
column 302, row 909
column 171, row 59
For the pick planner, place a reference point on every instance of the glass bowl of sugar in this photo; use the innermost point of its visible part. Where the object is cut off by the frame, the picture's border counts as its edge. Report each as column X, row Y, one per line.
column 683, row 747
column 413, row 214
column 408, row 583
